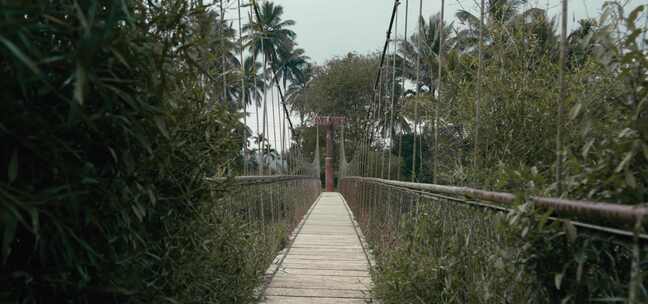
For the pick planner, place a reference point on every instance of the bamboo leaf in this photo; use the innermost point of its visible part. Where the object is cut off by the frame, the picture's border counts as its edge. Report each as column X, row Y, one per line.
column 9, row 233
column 558, row 280
column 159, row 122
column 587, row 147
column 20, row 55
column 575, row 110
column 12, row 170
column 120, row 57
column 152, row 197
column 634, row 15
column 139, row 211
column 570, row 229
column 624, row 162
column 35, row 217
column 630, row 179
column 79, row 84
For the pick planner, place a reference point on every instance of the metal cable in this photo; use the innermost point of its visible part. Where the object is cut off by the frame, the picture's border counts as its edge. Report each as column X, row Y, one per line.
column 266, row 129
column 561, row 98
column 390, row 131
column 384, row 125
column 479, row 85
column 436, row 107
column 221, row 29
column 243, row 93
column 418, row 88
column 259, row 154
column 274, row 127
column 400, row 98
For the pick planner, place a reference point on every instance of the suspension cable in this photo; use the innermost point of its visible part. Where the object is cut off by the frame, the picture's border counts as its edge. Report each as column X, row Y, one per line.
column 418, row 87
column 243, row 92
column 438, row 103
column 371, row 115
column 384, row 127
column 562, row 93
column 223, row 54
column 389, row 30
column 479, row 89
column 390, row 133
column 257, row 105
column 274, row 124
column 266, row 129
column 282, row 134
column 401, row 99
column 284, row 155
column 372, row 112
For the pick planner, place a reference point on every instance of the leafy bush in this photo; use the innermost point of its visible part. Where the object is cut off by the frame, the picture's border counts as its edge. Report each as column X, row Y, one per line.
column 431, row 249
column 110, row 123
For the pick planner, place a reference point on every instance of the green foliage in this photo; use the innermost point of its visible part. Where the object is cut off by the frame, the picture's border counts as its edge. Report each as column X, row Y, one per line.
column 224, row 249
column 343, row 86
column 605, row 135
column 610, row 161
column 111, row 120
column 430, row 249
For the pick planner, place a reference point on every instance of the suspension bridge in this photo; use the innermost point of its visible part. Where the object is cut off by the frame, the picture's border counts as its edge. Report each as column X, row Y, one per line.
column 329, row 257
column 150, row 155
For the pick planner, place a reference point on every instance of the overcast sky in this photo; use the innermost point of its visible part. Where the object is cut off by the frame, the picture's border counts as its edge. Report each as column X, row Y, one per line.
column 327, row 28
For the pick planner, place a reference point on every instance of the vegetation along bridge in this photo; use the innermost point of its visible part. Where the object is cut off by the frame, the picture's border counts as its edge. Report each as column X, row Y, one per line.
column 171, row 152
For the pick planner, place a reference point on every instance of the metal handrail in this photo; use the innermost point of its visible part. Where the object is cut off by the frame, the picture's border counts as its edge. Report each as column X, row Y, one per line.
column 261, row 179
column 623, row 215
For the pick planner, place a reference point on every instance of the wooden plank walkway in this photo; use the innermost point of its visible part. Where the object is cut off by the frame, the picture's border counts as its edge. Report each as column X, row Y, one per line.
column 326, row 262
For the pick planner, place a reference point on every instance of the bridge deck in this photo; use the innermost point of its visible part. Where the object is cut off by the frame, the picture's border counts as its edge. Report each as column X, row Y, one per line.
column 326, row 262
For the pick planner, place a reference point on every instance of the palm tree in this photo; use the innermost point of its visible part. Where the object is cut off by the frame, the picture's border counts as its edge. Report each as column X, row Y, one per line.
column 290, row 64
column 504, row 20
column 254, row 83
column 222, row 43
column 297, row 91
column 428, row 51
column 582, row 41
column 219, row 40
column 269, row 33
column 498, row 12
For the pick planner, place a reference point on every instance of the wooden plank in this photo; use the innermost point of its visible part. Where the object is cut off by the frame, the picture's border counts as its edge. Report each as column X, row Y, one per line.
column 324, row 272
column 319, row 293
column 319, row 284
column 326, row 250
column 326, row 262
column 328, row 257
column 318, row 280
column 310, row 300
column 289, row 262
column 326, row 267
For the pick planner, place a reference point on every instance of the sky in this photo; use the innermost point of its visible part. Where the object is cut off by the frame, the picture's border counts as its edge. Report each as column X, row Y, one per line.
column 329, row 28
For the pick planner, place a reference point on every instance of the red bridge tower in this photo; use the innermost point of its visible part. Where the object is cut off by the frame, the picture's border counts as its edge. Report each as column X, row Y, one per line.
column 329, row 122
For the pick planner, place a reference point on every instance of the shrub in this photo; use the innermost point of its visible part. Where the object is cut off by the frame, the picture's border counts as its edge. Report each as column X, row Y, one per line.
column 109, row 128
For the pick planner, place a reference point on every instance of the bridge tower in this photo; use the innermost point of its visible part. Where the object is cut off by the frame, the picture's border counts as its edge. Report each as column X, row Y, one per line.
column 329, row 123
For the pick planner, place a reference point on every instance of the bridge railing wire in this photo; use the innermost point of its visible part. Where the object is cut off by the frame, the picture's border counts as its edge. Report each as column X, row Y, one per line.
column 269, row 200
column 443, row 244
column 268, row 207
